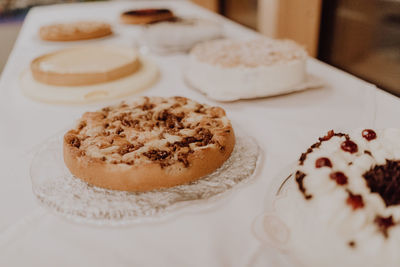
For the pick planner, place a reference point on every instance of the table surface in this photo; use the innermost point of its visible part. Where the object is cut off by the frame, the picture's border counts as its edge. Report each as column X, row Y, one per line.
column 222, row 235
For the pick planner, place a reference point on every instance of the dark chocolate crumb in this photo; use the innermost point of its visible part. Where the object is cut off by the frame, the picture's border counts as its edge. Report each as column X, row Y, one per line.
column 302, row 158
column 119, row 130
column 204, row 135
column 82, row 125
column 170, row 120
column 74, row 141
column 183, row 157
column 299, row 177
column 384, row 223
column 385, row 180
column 128, row 122
column 157, row 155
column 368, row 152
column 352, row 244
column 128, row 148
column 147, row 106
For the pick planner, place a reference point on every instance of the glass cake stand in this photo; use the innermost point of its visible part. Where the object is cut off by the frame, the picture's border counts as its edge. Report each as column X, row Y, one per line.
column 62, row 193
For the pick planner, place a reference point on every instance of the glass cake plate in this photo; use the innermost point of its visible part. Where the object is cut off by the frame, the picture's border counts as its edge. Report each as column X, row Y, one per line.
column 62, row 193
column 270, row 230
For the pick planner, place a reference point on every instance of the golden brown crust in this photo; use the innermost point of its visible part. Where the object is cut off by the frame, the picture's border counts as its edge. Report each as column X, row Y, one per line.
column 81, row 30
column 146, row 16
column 107, row 159
column 80, row 79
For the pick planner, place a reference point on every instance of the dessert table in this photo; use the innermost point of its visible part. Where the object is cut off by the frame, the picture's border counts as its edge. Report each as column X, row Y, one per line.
column 219, row 235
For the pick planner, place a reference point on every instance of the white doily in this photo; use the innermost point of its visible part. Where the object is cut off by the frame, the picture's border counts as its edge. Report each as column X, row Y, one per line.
column 57, row 189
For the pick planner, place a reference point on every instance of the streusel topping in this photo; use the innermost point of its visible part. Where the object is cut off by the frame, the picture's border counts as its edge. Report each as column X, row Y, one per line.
column 152, row 129
column 251, row 53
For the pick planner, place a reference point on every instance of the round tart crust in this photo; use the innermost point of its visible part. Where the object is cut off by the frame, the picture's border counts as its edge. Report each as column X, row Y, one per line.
column 74, row 31
column 144, row 77
column 79, row 78
column 146, row 16
column 150, row 144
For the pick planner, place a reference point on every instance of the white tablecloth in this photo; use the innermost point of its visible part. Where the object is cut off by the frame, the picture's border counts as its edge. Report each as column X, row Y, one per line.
column 220, row 236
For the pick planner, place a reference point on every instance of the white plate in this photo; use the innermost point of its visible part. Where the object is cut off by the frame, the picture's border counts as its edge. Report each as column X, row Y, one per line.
column 134, row 83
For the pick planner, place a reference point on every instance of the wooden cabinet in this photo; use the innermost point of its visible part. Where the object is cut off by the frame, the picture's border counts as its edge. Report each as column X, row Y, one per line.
column 212, row 5
column 291, row 19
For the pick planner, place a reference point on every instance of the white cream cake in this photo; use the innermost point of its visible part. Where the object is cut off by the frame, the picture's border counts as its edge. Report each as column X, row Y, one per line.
column 343, row 206
column 228, row 70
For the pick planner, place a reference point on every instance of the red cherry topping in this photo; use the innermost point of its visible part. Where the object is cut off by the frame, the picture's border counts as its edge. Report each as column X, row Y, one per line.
column 369, row 134
column 339, row 177
column 323, row 162
column 349, row 146
column 355, row 201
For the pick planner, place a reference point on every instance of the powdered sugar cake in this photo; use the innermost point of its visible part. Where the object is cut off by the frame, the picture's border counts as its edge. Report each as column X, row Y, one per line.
column 228, row 69
column 148, row 144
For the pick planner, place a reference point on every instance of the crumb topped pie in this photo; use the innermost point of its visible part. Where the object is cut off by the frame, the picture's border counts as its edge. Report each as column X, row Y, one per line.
column 148, row 144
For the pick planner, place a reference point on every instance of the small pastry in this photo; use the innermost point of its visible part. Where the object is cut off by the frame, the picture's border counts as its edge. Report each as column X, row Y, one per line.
column 146, row 16
column 75, row 31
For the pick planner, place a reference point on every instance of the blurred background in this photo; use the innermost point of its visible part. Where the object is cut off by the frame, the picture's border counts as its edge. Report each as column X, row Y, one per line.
column 359, row 36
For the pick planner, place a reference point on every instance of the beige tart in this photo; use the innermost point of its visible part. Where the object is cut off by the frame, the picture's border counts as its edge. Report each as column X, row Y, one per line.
column 148, row 144
column 146, row 16
column 85, row 65
column 75, row 31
